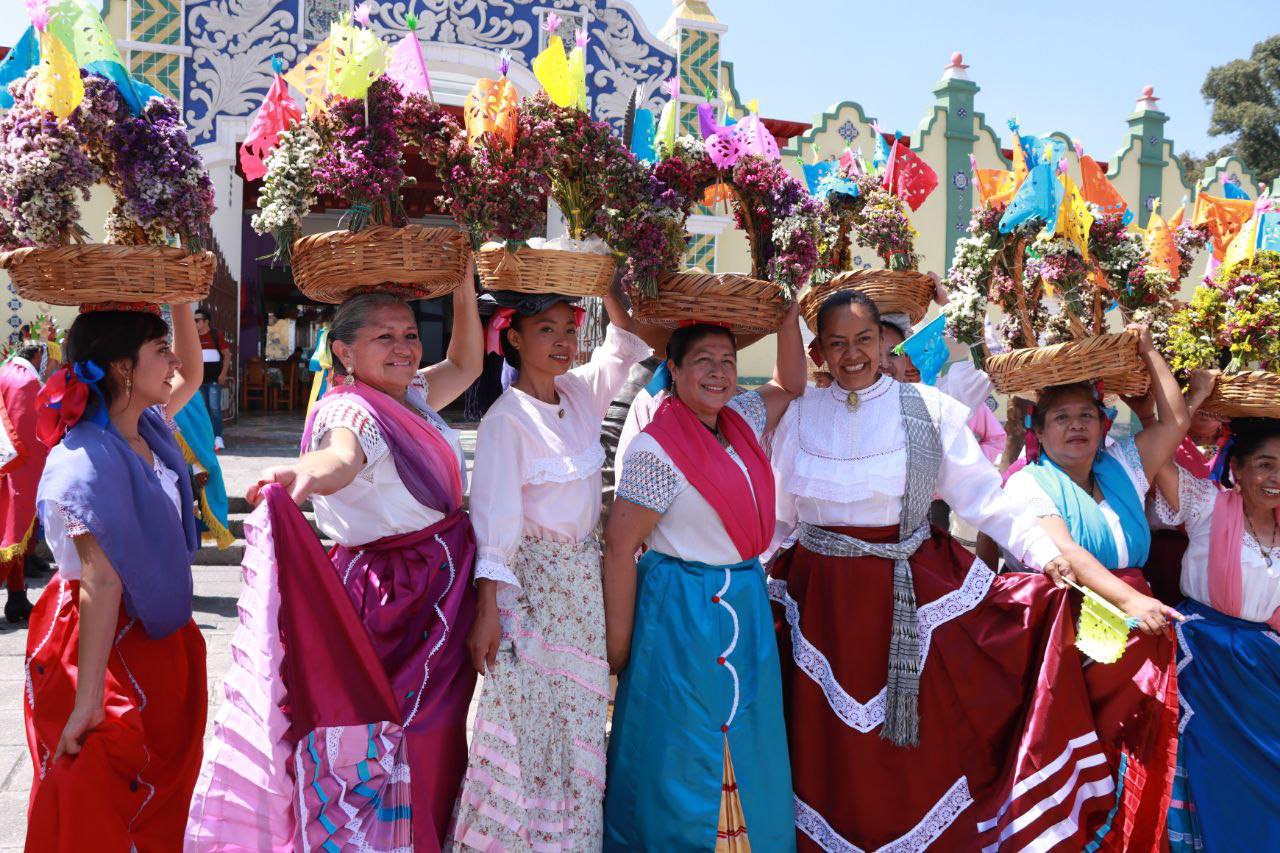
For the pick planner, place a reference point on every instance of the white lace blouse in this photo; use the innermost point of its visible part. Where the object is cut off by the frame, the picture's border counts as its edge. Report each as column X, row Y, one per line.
column 689, row 529
column 837, row 467
column 537, row 465
column 1026, row 492
column 376, row 503
column 1260, row 585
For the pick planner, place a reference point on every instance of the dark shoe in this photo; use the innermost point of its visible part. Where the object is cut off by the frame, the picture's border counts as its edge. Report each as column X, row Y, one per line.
column 17, row 608
column 37, row 566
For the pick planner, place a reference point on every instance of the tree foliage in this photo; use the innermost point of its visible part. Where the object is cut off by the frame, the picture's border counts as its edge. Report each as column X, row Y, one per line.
column 1245, row 94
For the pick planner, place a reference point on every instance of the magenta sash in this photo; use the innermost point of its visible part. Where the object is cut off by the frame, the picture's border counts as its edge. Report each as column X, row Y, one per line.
column 424, row 460
column 705, row 464
column 1226, row 538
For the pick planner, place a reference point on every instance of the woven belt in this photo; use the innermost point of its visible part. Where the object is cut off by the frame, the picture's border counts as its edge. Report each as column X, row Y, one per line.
column 828, row 543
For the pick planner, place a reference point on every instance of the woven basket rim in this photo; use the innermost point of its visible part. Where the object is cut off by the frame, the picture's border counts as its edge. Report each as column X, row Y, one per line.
column 1252, row 393
column 1110, row 356
column 685, row 296
column 916, row 305
column 316, row 264
column 190, row 273
column 572, row 272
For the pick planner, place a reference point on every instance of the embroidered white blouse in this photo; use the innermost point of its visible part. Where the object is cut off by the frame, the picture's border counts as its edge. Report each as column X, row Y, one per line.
column 376, row 503
column 1026, row 492
column 837, row 467
column 689, row 529
column 1260, row 586
column 537, row 473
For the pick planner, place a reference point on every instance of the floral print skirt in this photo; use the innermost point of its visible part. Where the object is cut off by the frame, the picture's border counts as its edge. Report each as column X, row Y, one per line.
column 537, row 764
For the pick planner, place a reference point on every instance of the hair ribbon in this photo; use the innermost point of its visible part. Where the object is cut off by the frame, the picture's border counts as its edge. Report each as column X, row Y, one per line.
column 62, row 401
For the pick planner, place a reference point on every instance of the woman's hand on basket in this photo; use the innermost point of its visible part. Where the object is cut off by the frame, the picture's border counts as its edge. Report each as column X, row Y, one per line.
column 1143, row 332
column 1200, row 384
column 940, row 293
column 1153, row 615
column 1060, row 570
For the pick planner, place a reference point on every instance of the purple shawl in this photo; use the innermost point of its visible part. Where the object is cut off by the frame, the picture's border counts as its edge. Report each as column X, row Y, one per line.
column 100, row 481
column 423, row 457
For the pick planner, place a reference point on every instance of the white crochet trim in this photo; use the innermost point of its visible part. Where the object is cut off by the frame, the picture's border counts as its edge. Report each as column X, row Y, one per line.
column 751, row 406
column 935, row 822
column 348, row 414
column 63, row 594
column 495, row 570
column 1187, row 711
column 1132, row 459
column 564, row 469
column 649, row 481
column 444, row 636
column 866, row 717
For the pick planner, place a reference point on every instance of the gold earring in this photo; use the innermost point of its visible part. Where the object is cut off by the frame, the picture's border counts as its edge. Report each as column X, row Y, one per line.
column 351, row 376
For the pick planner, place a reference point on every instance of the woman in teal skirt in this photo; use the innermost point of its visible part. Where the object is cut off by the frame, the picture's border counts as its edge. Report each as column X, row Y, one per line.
column 698, row 755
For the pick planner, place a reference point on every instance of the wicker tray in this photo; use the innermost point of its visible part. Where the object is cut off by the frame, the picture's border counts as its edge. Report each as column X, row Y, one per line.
column 559, row 271
column 1112, row 359
column 1245, row 395
column 744, row 304
column 894, row 292
column 97, row 272
column 413, row 262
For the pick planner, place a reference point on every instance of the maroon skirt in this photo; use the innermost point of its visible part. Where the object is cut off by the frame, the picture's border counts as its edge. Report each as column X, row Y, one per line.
column 1015, row 747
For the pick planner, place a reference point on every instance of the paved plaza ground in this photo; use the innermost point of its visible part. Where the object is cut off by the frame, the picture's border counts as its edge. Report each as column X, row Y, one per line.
column 256, row 442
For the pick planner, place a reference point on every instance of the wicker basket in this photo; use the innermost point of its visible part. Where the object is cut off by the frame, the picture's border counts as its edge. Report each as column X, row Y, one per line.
column 1245, row 395
column 560, row 271
column 1112, row 359
column 97, row 272
column 744, row 304
column 894, row 292
column 413, row 262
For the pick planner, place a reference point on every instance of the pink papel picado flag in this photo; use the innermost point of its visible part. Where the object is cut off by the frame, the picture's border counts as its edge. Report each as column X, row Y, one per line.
column 909, row 177
column 407, row 65
column 277, row 113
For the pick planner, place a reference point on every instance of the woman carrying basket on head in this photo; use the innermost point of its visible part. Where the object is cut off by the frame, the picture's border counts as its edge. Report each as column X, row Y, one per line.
column 536, row 773
column 925, row 694
column 1229, row 643
column 344, row 724
column 698, row 757
column 116, row 697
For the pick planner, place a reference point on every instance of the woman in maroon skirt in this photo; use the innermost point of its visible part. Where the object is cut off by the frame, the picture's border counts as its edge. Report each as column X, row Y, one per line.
column 929, row 701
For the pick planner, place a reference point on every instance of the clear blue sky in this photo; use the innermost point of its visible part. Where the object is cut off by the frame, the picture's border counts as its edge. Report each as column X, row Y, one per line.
column 1074, row 67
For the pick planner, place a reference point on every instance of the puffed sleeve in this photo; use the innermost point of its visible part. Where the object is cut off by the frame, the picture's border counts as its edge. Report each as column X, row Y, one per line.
column 1196, row 498
column 347, row 414
column 609, row 366
column 497, row 509
column 649, row 481
column 969, row 483
column 751, row 406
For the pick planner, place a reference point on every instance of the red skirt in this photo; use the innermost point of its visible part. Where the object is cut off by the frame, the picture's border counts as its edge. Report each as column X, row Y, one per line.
column 131, row 783
column 1015, row 749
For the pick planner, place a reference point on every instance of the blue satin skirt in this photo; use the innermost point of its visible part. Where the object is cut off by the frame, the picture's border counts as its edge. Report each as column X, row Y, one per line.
column 703, row 669
column 1224, row 793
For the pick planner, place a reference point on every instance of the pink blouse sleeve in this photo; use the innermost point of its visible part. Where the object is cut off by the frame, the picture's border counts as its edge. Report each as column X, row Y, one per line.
column 991, row 435
column 609, row 366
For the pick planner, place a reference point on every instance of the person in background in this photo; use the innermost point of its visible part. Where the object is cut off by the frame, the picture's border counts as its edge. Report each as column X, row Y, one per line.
column 116, row 689
column 22, row 458
column 216, row 353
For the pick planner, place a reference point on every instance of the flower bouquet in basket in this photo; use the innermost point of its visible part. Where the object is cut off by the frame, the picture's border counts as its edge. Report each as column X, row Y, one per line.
column 1233, row 322
column 1038, row 251
column 368, row 104
column 736, row 165
column 863, row 206
column 69, row 129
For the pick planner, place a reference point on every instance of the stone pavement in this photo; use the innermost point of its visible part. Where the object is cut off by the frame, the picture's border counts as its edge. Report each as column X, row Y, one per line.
column 258, row 441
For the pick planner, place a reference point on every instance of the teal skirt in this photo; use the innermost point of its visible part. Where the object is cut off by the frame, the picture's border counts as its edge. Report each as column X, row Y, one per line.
column 703, row 671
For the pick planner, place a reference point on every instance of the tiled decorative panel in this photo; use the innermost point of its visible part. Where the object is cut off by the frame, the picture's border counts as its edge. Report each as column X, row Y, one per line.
column 162, row 71
column 157, row 22
column 702, row 252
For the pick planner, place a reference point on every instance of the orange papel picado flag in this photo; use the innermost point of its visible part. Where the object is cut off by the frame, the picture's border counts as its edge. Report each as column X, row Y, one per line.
column 1223, row 217
column 1159, row 239
column 1097, row 190
column 1020, row 165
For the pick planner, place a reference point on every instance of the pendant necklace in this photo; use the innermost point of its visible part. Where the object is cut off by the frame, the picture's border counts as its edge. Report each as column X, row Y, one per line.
column 851, row 401
column 1266, row 551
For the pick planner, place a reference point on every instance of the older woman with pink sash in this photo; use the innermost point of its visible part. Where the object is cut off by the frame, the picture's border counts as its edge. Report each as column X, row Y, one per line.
column 344, row 725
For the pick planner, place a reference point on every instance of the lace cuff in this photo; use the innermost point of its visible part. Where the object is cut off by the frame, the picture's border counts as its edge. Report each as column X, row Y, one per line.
column 489, row 568
column 71, row 525
column 1195, row 498
column 355, row 418
column 649, row 482
column 751, row 406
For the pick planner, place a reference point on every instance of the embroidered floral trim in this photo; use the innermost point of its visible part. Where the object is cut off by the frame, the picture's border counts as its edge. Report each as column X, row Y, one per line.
column 650, row 482
column 72, row 525
column 866, row 717
column 565, row 469
column 935, row 822
column 751, row 406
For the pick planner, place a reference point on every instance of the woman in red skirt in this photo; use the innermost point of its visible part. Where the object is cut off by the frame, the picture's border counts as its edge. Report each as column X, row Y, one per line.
column 930, row 703
column 115, row 669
